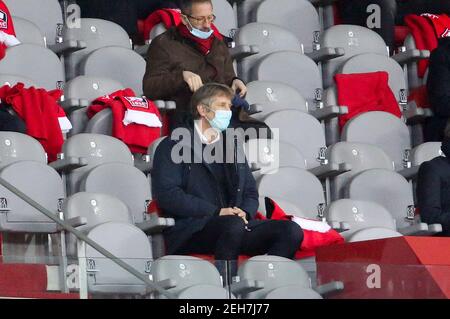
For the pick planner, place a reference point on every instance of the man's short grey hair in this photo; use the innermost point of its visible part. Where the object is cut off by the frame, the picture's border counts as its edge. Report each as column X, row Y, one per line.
column 206, row 95
column 186, row 5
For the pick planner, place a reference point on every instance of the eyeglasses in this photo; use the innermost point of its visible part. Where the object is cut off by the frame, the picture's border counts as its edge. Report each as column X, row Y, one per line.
column 208, row 19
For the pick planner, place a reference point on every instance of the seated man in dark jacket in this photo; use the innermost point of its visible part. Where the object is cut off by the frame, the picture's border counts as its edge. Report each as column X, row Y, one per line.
column 438, row 91
column 433, row 188
column 212, row 196
column 183, row 58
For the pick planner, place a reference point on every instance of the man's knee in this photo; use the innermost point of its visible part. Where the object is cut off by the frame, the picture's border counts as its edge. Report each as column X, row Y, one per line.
column 292, row 232
column 232, row 224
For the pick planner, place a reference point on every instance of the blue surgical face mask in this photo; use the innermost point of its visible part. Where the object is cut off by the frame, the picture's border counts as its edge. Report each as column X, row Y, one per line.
column 199, row 33
column 221, row 120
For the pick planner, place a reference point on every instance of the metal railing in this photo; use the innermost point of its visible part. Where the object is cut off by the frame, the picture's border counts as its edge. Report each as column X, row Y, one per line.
column 81, row 236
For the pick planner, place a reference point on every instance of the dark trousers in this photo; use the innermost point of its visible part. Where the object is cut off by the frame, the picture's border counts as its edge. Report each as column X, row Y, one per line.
column 227, row 238
column 9, row 122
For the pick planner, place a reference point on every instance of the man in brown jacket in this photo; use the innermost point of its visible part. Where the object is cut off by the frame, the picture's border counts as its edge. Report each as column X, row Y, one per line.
column 183, row 58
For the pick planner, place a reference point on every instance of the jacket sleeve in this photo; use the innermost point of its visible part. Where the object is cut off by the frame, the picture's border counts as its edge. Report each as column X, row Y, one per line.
column 250, row 196
column 438, row 81
column 167, row 181
column 229, row 74
column 429, row 196
column 162, row 78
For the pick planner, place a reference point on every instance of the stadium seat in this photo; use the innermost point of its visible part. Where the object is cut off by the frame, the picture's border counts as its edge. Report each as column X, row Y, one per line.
column 78, row 95
column 360, row 157
column 424, row 152
column 266, row 97
column 370, row 62
column 28, row 32
column 41, row 183
column 183, row 274
column 265, row 156
column 261, row 275
column 15, row 147
column 126, row 242
column 264, row 38
column 85, row 210
column 357, row 40
column 129, row 184
column 293, row 292
column 46, row 14
column 24, row 228
column 226, row 21
column 204, row 292
column 302, row 19
column 120, row 64
column 270, row 96
column 373, row 233
column 381, row 129
column 295, row 186
column 92, row 35
column 300, row 72
column 93, row 150
column 393, row 192
column 304, row 132
column 11, row 80
column 35, row 62
column 349, row 216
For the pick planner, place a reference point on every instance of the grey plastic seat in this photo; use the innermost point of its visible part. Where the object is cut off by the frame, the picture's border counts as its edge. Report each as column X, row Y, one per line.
column 11, row 80
column 273, row 272
column 292, row 68
column 15, row 147
column 360, row 157
column 425, row 152
column 41, row 183
column 381, row 129
column 265, row 156
column 272, row 96
column 296, row 186
column 129, row 66
column 46, row 14
column 300, row 17
column 414, row 81
column 226, row 21
column 28, row 32
column 293, row 292
column 355, row 40
column 177, row 273
column 204, row 292
column 126, row 242
column 371, row 62
column 94, row 150
column 80, row 92
column 123, row 181
column 94, row 34
column 267, row 38
column 86, row 210
column 373, row 233
column 392, row 191
column 35, row 62
column 84, row 89
column 244, row 10
column 301, row 130
column 358, row 215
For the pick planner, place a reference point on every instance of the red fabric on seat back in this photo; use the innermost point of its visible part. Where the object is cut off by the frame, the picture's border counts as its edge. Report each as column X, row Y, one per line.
column 365, row 92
